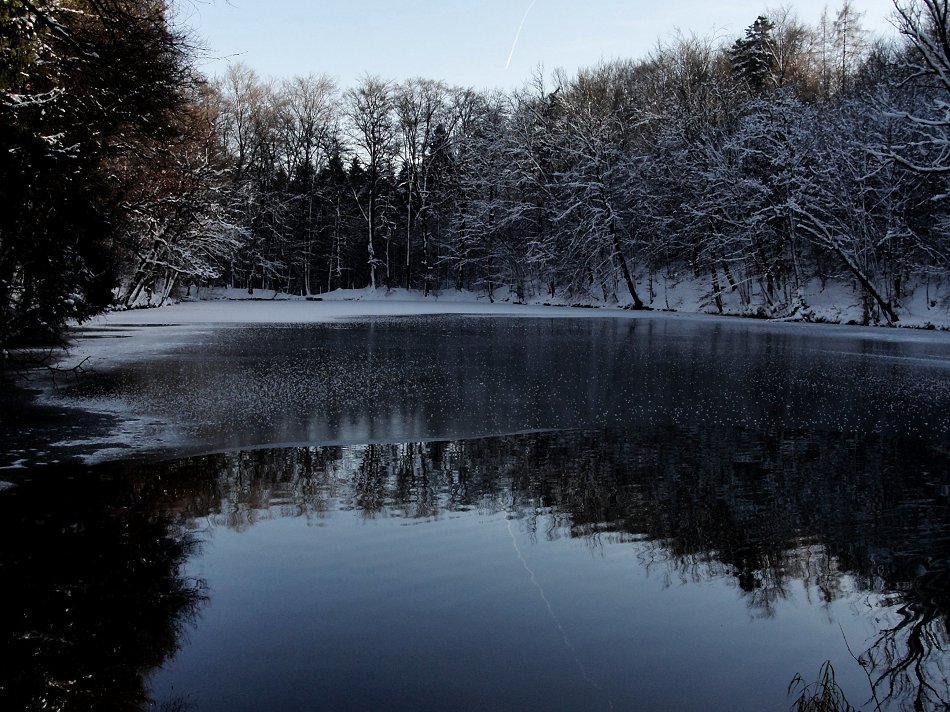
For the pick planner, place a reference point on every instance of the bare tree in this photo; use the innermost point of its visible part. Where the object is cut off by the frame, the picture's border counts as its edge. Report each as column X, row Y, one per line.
column 925, row 24
column 306, row 117
column 370, row 115
column 424, row 113
column 182, row 228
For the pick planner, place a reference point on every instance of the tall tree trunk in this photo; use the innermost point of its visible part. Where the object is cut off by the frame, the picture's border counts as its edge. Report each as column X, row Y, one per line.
column 409, row 239
column 717, row 290
column 622, row 261
column 425, row 256
column 369, row 245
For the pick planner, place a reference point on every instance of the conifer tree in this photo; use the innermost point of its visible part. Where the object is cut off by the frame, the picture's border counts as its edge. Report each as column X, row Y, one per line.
column 753, row 56
column 83, row 85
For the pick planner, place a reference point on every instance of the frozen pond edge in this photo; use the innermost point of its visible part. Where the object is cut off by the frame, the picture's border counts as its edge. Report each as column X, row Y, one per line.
column 143, row 335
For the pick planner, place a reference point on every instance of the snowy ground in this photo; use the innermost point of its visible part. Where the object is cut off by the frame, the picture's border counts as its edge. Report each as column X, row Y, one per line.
column 183, row 320
column 926, row 303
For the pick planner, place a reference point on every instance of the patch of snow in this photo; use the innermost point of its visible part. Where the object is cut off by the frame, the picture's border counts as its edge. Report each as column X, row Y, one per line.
column 180, row 319
column 926, row 303
column 132, row 431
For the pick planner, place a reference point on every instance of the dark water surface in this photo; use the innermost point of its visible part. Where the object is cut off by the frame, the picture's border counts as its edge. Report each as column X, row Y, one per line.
column 476, row 513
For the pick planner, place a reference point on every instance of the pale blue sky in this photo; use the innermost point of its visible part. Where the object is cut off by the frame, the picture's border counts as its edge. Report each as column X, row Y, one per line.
column 465, row 42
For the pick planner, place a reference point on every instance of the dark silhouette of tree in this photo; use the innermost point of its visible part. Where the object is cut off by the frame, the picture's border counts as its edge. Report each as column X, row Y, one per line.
column 753, row 57
column 82, row 87
column 97, row 600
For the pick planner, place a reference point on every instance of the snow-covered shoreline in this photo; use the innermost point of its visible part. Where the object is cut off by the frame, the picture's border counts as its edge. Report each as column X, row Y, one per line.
column 831, row 303
column 133, row 334
column 237, row 306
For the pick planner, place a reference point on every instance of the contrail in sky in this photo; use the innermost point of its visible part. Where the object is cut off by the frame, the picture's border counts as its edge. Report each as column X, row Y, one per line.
column 518, row 34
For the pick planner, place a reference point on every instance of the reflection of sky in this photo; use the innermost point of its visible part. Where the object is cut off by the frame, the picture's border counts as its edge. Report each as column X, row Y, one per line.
column 462, row 42
column 561, row 571
column 374, row 614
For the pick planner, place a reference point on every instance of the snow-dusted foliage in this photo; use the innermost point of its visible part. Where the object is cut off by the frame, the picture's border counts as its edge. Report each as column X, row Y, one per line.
column 180, row 227
column 92, row 97
column 793, row 160
column 792, row 164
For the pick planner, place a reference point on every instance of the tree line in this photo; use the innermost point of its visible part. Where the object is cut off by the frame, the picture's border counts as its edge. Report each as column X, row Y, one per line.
column 792, row 157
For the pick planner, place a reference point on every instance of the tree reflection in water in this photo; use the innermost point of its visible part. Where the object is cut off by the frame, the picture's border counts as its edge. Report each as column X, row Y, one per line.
column 100, row 599
column 908, row 661
column 94, row 597
column 844, row 513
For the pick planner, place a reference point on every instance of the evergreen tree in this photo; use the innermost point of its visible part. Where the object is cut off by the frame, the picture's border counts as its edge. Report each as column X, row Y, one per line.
column 753, row 57
column 83, row 86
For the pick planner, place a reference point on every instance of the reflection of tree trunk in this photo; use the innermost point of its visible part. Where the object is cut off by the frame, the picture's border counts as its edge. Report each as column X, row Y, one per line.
column 903, row 656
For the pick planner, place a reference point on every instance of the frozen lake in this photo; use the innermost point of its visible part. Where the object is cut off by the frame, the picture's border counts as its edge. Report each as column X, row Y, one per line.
column 411, row 378
column 473, row 512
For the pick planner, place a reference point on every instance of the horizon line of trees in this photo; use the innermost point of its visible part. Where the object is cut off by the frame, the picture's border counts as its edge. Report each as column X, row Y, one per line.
column 796, row 155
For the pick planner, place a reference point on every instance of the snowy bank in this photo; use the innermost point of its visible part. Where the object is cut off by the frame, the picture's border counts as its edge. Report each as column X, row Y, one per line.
column 184, row 322
column 832, row 302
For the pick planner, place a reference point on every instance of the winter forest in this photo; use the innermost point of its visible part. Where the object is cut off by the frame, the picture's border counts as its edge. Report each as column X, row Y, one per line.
column 760, row 169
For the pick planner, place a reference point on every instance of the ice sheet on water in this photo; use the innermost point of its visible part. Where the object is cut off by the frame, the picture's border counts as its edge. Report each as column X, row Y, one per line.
column 207, row 385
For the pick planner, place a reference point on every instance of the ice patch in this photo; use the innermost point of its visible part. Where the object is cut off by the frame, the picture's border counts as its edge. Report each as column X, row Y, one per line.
column 151, row 336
